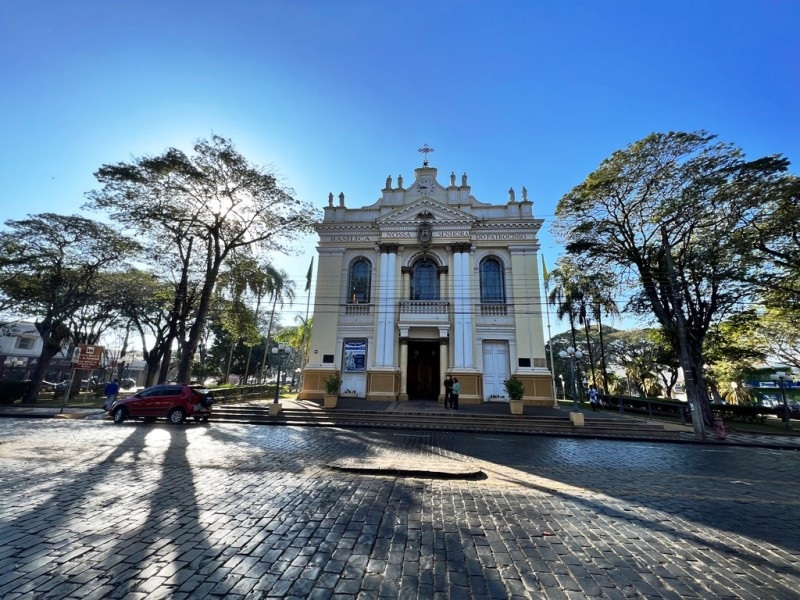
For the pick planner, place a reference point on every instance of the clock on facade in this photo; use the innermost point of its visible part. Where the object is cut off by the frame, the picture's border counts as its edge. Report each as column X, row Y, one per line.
column 425, row 186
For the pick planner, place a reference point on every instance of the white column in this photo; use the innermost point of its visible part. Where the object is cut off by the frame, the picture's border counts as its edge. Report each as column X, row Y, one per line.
column 458, row 307
column 380, row 334
column 466, row 264
column 391, row 302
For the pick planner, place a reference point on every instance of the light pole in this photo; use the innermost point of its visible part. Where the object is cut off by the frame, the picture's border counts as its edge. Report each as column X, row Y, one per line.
column 11, row 363
column 280, row 353
column 779, row 376
column 572, row 354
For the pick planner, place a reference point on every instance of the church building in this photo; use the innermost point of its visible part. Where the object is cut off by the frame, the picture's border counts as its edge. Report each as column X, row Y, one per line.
column 428, row 282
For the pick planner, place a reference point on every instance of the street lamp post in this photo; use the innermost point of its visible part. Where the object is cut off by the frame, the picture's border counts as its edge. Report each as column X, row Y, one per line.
column 572, row 354
column 280, row 353
column 779, row 376
column 12, row 363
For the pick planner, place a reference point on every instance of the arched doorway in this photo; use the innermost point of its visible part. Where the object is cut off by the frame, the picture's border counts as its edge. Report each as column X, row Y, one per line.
column 423, row 370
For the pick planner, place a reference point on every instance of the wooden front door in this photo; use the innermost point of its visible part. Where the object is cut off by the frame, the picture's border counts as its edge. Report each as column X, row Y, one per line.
column 423, row 370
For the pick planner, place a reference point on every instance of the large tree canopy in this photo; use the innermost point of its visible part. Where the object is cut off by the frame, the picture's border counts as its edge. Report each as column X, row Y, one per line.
column 662, row 214
column 55, row 266
column 199, row 210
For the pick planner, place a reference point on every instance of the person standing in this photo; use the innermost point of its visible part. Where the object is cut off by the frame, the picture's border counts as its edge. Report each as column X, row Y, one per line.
column 448, row 391
column 111, row 390
column 594, row 397
column 454, row 395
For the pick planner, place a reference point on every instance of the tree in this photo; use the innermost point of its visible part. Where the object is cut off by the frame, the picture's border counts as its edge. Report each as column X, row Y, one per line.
column 662, row 214
column 566, row 294
column 280, row 289
column 214, row 200
column 732, row 348
column 773, row 229
column 667, row 364
column 636, row 352
column 584, row 294
column 147, row 303
column 53, row 266
column 779, row 334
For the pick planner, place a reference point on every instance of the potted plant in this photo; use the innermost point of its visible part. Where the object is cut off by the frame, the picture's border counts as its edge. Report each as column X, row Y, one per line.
column 332, row 385
column 515, row 390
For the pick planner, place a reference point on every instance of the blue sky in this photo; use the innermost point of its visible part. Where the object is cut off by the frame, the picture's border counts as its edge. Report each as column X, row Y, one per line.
column 337, row 95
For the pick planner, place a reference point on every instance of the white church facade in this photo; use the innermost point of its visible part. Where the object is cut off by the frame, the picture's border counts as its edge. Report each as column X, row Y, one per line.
column 428, row 281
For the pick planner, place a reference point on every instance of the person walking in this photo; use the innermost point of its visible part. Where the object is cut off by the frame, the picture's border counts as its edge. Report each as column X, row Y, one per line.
column 448, row 391
column 594, row 398
column 111, row 390
column 454, row 395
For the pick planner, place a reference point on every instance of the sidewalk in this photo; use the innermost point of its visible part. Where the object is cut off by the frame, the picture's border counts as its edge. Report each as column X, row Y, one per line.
column 434, row 409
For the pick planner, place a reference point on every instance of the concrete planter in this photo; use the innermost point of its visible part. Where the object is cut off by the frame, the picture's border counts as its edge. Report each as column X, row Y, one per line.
column 517, row 407
column 275, row 409
column 330, row 400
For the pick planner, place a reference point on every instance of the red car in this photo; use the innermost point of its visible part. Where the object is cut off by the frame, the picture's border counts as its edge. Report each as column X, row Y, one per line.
column 172, row 401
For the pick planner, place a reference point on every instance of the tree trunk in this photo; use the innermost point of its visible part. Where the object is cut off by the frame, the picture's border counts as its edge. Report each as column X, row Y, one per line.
column 53, row 336
column 602, row 353
column 189, row 346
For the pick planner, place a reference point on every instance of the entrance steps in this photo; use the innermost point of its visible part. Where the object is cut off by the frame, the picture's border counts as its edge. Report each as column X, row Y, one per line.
column 311, row 415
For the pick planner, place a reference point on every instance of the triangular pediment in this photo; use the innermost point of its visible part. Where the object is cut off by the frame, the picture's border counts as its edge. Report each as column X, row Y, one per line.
column 425, row 209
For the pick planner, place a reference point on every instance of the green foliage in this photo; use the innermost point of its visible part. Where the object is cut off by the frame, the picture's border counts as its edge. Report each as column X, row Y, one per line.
column 514, row 388
column 665, row 215
column 201, row 212
column 58, row 267
column 332, row 383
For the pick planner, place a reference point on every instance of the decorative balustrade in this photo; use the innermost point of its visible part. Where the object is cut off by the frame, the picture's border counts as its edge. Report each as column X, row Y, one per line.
column 426, row 307
column 357, row 310
column 493, row 310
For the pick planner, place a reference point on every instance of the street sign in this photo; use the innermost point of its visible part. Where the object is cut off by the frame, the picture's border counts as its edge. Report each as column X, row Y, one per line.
column 86, row 357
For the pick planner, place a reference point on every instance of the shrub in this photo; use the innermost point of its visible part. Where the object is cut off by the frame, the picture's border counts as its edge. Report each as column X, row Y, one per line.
column 514, row 387
column 332, row 383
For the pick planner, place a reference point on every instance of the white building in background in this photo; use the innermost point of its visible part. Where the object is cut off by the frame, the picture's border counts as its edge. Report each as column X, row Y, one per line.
column 20, row 348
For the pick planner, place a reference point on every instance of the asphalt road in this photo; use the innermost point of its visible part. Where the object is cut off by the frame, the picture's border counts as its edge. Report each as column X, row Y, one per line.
column 93, row 510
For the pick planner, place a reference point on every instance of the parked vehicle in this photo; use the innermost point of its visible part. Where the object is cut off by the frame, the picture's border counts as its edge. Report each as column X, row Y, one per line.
column 794, row 410
column 48, row 386
column 127, row 383
column 172, row 401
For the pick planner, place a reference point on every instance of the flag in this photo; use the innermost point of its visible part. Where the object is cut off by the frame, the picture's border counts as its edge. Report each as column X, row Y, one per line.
column 308, row 275
column 544, row 271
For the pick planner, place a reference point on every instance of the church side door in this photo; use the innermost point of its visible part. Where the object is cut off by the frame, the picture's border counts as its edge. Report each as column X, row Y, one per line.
column 495, row 371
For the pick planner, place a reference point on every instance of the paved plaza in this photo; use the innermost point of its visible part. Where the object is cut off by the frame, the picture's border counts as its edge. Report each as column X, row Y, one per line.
column 94, row 510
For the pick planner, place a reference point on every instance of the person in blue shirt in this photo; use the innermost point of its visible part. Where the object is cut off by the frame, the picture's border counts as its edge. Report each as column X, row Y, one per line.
column 111, row 391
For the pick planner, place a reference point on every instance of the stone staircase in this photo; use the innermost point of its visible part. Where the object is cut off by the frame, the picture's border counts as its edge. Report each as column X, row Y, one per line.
column 602, row 425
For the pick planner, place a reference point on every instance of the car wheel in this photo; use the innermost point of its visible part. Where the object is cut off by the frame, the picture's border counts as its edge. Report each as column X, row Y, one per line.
column 205, row 419
column 176, row 416
column 119, row 415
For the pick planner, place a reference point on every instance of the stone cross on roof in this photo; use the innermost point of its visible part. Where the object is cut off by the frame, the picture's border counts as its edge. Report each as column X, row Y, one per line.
column 425, row 151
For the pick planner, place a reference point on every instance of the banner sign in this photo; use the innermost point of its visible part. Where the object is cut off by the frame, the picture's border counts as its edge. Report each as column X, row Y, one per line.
column 87, row 358
column 355, row 355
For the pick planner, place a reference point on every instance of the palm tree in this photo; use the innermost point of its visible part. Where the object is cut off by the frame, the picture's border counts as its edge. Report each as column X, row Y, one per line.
column 602, row 303
column 280, row 289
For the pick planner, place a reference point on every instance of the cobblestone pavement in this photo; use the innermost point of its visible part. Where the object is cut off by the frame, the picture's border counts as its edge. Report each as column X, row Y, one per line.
column 94, row 510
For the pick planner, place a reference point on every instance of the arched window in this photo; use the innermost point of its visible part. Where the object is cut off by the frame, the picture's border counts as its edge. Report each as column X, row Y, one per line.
column 425, row 280
column 493, row 289
column 360, row 281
